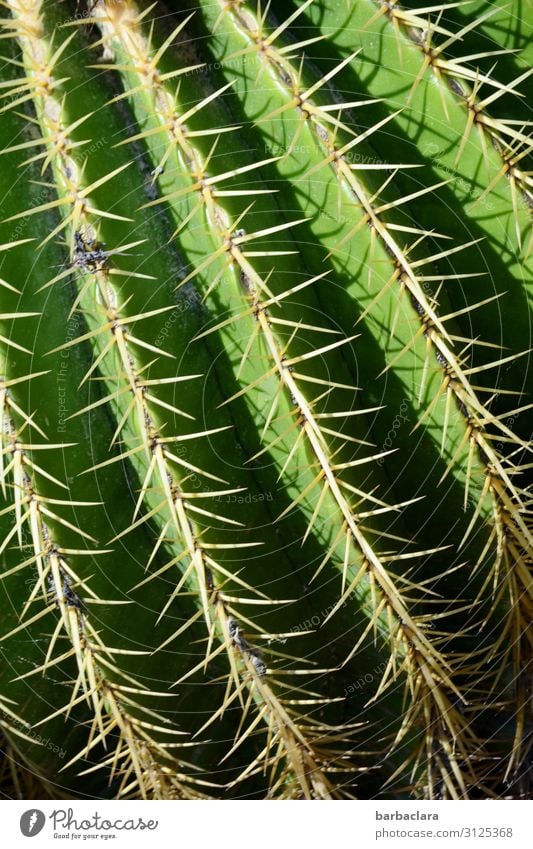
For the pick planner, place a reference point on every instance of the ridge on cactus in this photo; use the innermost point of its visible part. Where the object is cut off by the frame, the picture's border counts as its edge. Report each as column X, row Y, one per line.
column 265, row 398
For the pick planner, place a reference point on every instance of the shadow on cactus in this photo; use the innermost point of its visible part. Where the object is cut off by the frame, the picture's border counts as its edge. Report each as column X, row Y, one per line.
column 264, row 386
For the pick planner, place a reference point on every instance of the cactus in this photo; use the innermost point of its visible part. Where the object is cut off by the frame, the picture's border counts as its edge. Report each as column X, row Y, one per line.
column 265, row 336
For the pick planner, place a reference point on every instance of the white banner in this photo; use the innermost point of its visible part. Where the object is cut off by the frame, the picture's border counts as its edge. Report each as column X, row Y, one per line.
column 267, row 825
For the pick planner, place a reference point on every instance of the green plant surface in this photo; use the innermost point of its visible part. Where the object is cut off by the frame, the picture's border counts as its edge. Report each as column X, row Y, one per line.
column 61, row 525
column 264, row 344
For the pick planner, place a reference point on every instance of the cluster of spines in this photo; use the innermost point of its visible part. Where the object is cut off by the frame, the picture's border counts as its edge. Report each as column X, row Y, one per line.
column 100, row 681
column 513, row 143
column 511, row 505
column 328, row 473
column 121, row 29
column 136, row 753
column 510, row 529
column 91, row 259
column 455, row 384
column 301, row 100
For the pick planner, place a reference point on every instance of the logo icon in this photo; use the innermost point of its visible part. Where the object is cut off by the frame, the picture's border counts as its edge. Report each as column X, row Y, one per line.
column 32, row 822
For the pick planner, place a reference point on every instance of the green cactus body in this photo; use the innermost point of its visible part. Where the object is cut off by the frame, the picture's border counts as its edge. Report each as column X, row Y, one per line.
column 265, row 329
